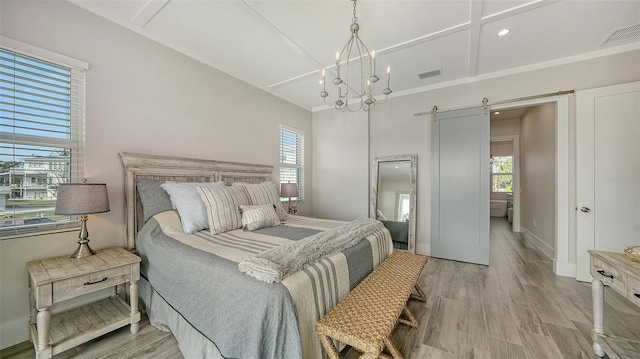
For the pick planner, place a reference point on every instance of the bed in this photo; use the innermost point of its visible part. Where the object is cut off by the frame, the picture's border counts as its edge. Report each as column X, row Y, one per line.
column 399, row 233
column 191, row 284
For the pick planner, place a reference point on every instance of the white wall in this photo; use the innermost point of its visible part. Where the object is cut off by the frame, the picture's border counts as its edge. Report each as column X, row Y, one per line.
column 394, row 129
column 507, row 127
column 140, row 97
column 341, row 191
column 502, row 148
column 538, row 175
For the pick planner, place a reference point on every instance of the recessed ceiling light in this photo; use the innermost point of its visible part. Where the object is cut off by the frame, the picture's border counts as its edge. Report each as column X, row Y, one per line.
column 320, row 82
column 503, row 32
column 496, row 113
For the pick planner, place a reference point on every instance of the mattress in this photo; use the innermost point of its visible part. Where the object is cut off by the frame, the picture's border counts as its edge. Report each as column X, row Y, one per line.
column 197, row 277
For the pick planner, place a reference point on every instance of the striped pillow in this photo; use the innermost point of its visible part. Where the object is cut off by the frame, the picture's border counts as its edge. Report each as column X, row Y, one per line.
column 223, row 206
column 256, row 217
column 266, row 193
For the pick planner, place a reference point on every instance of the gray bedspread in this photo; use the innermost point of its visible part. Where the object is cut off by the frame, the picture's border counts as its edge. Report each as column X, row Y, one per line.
column 241, row 316
column 252, row 311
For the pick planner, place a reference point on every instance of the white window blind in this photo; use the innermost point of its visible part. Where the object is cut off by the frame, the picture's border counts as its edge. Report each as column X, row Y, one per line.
column 41, row 139
column 292, row 158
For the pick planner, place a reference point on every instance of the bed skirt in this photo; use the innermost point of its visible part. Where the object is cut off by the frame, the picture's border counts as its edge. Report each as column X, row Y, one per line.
column 161, row 315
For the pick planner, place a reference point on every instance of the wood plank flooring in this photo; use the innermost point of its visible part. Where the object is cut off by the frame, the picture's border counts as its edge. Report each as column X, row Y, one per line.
column 514, row 308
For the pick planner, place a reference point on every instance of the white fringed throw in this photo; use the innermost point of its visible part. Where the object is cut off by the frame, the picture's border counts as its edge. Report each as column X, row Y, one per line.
column 277, row 263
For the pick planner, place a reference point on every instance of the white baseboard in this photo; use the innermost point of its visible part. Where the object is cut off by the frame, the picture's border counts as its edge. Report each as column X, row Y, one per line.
column 564, row 269
column 539, row 243
column 561, row 268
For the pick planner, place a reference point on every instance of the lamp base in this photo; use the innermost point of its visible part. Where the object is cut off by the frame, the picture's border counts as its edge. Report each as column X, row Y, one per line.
column 83, row 250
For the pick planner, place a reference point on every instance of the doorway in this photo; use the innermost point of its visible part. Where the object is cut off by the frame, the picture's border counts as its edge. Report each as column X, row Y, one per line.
column 544, row 220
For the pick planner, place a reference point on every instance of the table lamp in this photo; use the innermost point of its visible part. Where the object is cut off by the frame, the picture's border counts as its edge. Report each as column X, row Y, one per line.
column 82, row 199
column 289, row 190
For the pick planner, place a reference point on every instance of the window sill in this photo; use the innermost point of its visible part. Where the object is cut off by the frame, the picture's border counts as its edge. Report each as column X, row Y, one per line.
column 24, row 232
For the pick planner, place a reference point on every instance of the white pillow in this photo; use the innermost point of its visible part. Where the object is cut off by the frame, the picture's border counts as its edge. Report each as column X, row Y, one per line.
column 187, row 201
column 223, row 206
column 266, row 193
column 256, row 217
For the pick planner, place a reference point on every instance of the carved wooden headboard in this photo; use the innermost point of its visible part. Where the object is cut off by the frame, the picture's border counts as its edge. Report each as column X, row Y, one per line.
column 178, row 169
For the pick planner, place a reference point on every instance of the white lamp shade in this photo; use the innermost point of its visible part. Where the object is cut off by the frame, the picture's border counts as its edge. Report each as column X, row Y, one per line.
column 82, row 198
column 288, row 190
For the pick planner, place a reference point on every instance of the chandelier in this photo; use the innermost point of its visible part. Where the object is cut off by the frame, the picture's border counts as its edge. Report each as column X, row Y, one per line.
column 348, row 88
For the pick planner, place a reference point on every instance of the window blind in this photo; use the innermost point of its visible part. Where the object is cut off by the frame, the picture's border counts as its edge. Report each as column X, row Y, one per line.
column 292, row 158
column 41, row 139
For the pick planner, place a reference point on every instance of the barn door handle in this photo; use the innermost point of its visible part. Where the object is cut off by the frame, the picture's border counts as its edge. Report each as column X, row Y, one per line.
column 637, row 294
column 585, row 209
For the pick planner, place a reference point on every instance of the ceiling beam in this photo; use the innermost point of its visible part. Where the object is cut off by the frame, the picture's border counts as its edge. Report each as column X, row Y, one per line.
column 148, row 11
column 474, row 37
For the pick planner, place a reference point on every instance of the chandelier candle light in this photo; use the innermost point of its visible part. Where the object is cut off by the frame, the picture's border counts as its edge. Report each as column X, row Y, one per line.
column 367, row 76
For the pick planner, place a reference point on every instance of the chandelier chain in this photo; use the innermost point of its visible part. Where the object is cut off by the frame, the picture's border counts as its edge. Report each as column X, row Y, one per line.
column 355, row 18
column 368, row 77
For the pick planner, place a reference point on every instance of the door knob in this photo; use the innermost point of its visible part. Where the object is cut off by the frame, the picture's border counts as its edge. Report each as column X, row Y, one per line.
column 585, row 209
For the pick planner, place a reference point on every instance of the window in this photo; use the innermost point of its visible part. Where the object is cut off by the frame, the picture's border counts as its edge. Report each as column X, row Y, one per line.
column 502, row 174
column 41, row 137
column 403, row 207
column 292, row 158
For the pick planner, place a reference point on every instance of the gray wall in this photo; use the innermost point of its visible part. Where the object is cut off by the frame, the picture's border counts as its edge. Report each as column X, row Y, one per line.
column 394, row 129
column 537, row 173
column 140, row 97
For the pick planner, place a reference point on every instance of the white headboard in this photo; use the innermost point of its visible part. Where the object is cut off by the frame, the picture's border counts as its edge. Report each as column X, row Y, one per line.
column 179, row 169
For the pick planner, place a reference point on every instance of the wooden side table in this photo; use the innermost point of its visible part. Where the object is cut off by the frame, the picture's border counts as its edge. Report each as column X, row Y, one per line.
column 623, row 276
column 54, row 280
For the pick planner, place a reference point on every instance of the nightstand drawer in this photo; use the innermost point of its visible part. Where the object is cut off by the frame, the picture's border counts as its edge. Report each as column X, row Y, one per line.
column 73, row 287
column 633, row 290
column 612, row 277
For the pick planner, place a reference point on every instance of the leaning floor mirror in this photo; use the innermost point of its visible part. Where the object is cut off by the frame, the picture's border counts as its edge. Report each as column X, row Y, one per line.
column 393, row 197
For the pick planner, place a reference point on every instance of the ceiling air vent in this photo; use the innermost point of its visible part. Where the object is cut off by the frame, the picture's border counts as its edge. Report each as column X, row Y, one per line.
column 431, row 73
column 631, row 32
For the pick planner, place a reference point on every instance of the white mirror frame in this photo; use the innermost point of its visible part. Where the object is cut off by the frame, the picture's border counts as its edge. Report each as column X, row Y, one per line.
column 373, row 200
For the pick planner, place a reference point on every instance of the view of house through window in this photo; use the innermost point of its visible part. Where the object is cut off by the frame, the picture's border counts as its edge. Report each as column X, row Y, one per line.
column 292, row 159
column 502, row 174
column 39, row 145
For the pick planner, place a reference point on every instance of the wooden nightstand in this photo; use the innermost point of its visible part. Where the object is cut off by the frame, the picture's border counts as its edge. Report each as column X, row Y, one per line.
column 57, row 279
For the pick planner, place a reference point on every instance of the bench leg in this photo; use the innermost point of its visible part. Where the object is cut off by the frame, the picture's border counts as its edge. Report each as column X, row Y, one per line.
column 392, row 349
column 331, row 350
column 420, row 296
column 371, row 356
column 411, row 319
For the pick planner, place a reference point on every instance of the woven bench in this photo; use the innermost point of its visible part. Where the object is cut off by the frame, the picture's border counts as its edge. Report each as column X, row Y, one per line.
column 365, row 318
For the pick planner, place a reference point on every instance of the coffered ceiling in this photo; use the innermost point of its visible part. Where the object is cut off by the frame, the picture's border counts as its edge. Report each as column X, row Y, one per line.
column 280, row 46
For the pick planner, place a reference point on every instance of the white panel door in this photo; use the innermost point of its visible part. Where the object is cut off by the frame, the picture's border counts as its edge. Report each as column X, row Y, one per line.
column 608, row 171
column 460, row 185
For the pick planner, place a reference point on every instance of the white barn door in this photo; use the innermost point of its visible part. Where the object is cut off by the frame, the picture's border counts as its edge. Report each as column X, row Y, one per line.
column 608, row 171
column 460, row 185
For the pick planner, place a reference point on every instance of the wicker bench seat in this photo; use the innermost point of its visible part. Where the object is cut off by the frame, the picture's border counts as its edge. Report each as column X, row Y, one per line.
column 365, row 318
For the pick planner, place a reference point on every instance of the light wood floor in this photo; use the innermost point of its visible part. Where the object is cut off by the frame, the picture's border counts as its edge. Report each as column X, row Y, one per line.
column 514, row 308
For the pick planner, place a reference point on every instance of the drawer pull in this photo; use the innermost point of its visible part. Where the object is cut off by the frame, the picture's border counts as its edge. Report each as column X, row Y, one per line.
column 601, row 272
column 637, row 295
column 96, row 282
